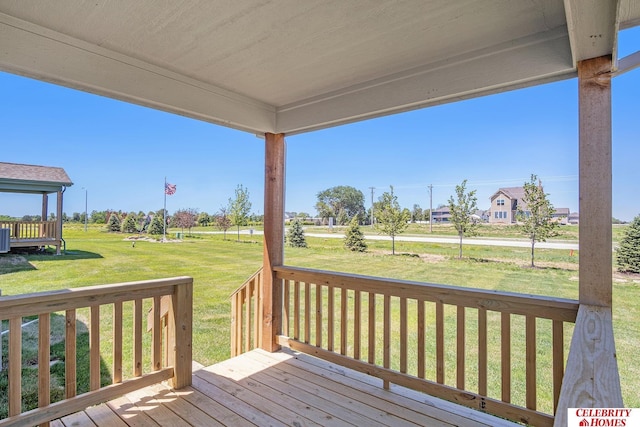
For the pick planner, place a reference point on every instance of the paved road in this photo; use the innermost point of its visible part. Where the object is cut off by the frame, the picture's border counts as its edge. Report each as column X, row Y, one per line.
column 513, row 243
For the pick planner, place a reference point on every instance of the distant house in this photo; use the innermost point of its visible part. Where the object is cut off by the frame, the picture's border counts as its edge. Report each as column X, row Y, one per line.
column 562, row 215
column 504, row 205
column 573, row 218
column 442, row 214
column 506, row 201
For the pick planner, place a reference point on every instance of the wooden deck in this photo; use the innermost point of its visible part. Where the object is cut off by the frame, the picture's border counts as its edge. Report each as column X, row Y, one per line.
column 279, row 389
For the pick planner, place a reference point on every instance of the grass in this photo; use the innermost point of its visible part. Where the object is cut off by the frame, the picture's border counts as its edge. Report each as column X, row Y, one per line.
column 219, row 266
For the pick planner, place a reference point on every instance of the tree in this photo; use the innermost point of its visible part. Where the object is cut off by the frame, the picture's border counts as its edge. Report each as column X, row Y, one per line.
column 628, row 253
column 222, row 220
column 536, row 214
column 204, row 219
column 461, row 209
column 416, row 213
column 156, row 226
column 239, row 208
column 354, row 238
column 390, row 219
column 295, row 235
column 114, row 222
column 185, row 218
column 129, row 225
column 345, row 199
column 98, row 217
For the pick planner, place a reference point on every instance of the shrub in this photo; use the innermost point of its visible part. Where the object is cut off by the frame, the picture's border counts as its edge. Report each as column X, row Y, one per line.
column 628, row 254
column 295, row 235
column 354, row 238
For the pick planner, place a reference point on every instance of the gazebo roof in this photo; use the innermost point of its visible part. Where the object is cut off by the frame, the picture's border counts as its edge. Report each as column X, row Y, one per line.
column 19, row 178
column 291, row 66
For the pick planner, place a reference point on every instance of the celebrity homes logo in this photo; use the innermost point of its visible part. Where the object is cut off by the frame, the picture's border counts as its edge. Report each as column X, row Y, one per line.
column 603, row 417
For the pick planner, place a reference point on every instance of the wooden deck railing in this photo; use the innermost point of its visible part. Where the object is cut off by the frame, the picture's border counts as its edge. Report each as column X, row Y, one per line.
column 32, row 230
column 133, row 297
column 246, row 313
column 498, row 352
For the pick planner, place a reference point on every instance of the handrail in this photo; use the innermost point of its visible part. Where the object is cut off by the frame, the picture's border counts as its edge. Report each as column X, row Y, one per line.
column 31, row 230
column 432, row 331
column 246, row 315
column 176, row 366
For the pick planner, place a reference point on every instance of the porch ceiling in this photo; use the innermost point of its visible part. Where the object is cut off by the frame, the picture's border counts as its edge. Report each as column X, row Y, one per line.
column 293, row 66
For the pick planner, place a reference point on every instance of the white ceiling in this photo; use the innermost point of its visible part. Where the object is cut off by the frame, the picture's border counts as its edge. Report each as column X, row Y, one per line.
column 297, row 65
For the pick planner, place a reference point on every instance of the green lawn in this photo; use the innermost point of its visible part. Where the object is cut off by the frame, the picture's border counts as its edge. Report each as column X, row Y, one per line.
column 219, row 266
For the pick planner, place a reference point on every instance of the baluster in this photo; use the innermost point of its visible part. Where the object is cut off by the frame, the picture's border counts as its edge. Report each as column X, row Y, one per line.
column 137, row 337
column 505, row 331
column 531, row 361
column 330, row 317
column 15, row 366
column 117, row 342
column 70, row 354
column 156, row 356
column 460, row 348
column 421, row 339
column 356, row 324
column 558, row 360
column 386, row 345
column 94, row 348
column 318, row 315
column 403, row 335
column 482, row 351
column 343, row 321
column 439, row 342
column 372, row 328
column 307, row 314
column 44, row 358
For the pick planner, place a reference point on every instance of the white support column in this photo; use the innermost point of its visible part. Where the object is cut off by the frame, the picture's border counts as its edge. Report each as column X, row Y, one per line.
column 273, row 255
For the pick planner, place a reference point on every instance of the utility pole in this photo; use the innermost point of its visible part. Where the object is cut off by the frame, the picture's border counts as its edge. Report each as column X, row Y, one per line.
column 430, row 208
column 372, row 188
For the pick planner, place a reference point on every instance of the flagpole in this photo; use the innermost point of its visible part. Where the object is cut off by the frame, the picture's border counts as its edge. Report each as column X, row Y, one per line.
column 164, row 212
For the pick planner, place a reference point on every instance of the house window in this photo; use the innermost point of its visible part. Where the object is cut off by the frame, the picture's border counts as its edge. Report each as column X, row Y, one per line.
column 500, row 215
column 500, row 202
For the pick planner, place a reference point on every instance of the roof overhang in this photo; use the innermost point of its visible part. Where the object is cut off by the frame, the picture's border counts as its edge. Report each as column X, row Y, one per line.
column 290, row 66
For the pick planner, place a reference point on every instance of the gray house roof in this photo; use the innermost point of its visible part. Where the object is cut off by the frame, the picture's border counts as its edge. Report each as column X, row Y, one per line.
column 511, row 192
column 20, row 178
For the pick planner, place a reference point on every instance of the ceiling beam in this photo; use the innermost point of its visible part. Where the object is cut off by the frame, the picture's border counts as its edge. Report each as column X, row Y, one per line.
column 33, row 51
column 522, row 63
column 593, row 28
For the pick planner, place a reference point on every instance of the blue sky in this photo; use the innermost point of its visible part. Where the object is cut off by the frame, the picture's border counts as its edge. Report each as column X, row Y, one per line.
column 120, row 153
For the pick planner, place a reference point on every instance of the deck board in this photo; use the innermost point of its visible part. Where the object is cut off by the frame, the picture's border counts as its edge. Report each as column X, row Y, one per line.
column 279, row 389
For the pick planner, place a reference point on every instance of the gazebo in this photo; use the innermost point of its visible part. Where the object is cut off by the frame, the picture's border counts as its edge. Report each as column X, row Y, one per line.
column 283, row 67
column 42, row 180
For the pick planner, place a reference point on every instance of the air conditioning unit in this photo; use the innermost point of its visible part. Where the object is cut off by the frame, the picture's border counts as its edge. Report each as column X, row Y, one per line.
column 5, row 242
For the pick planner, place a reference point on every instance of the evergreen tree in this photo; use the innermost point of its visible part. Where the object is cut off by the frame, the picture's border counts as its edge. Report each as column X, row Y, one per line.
column 114, row 222
column 155, row 227
column 628, row 254
column 461, row 211
column 354, row 238
column 130, row 225
column 295, row 235
column 537, row 222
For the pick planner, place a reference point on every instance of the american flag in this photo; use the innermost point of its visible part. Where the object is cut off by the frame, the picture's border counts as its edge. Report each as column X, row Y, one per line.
column 169, row 189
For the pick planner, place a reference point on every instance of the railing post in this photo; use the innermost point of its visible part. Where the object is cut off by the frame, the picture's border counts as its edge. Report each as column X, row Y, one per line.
column 273, row 254
column 180, row 334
